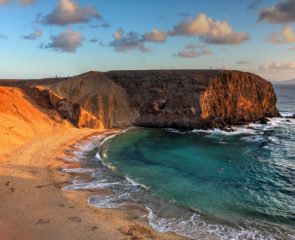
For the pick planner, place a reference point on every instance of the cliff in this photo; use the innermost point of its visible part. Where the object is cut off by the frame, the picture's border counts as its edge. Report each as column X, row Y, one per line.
column 155, row 98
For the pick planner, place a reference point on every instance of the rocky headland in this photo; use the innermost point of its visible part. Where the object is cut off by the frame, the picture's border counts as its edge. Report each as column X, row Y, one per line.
column 153, row 98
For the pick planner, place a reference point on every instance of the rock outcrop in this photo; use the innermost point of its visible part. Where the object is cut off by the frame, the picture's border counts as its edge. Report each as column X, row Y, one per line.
column 197, row 99
column 156, row 98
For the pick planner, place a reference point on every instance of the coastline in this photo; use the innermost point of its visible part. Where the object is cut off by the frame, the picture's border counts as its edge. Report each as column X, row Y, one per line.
column 32, row 205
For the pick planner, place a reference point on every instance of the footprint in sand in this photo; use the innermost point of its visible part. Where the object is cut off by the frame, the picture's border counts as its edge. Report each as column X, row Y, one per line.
column 91, row 228
column 75, row 219
column 9, row 184
column 43, row 221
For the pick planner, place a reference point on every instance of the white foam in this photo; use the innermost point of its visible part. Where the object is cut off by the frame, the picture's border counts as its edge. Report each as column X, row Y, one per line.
column 233, row 131
column 97, row 156
column 101, row 184
column 274, row 140
column 81, row 148
column 174, row 130
column 287, row 114
column 136, row 184
column 112, row 136
column 108, row 201
column 78, row 170
column 192, row 226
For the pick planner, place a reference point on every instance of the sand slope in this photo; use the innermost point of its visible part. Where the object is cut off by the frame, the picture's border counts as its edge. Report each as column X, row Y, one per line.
column 20, row 119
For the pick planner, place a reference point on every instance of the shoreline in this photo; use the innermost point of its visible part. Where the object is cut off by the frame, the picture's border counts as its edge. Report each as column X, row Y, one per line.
column 33, row 206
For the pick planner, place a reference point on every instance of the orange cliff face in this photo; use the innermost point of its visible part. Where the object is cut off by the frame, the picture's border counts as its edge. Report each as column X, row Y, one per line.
column 235, row 97
column 20, row 118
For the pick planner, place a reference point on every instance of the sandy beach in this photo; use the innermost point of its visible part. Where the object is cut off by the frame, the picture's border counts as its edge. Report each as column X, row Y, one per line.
column 32, row 205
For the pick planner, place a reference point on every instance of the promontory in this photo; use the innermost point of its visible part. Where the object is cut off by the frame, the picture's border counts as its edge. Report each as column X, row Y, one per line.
column 152, row 98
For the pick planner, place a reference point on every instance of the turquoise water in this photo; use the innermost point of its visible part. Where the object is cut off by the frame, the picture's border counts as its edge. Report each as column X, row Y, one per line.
column 201, row 184
column 240, row 180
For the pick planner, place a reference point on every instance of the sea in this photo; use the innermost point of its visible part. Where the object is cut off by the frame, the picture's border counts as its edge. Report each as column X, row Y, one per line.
column 202, row 184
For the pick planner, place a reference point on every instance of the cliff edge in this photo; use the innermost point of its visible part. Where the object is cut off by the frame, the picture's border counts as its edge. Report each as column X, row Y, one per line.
column 156, row 98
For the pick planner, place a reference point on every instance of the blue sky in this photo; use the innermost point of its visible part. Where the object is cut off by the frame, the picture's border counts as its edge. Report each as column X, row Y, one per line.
column 44, row 38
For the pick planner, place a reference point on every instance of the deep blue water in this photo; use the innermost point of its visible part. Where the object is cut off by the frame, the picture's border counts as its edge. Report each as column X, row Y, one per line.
column 203, row 184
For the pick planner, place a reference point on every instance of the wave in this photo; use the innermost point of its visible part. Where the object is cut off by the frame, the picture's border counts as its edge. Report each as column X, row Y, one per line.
column 97, row 156
column 232, row 131
column 78, row 170
column 109, row 201
column 101, row 184
column 105, row 139
column 192, row 226
column 83, row 147
column 136, row 184
column 174, row 130
column 287, row 114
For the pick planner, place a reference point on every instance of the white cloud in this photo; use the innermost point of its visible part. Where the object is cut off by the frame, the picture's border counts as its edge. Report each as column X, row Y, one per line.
column 133, row 41
column 119, row 34
column 242, row 62
column 67, row 41
column 282, row 12
column 209, row 30
column 33, row 36
column 155, row 36
column 130, row 41
column 285, row 36
column 70, row 12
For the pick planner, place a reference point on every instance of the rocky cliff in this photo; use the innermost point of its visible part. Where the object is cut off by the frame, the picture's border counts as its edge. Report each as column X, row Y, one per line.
column 197, row 99
column 156, row 98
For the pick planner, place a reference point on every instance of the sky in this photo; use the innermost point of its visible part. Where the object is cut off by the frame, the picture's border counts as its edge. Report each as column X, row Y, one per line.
column 47, row 38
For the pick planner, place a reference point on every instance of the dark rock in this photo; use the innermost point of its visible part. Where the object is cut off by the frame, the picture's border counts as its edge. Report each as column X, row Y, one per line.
column 263, row 121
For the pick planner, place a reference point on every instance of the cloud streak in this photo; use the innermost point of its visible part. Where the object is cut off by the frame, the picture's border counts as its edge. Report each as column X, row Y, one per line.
column 33, row 36
column 242, row 62
column 276, row 66
column 194, row 51
column 22, row 2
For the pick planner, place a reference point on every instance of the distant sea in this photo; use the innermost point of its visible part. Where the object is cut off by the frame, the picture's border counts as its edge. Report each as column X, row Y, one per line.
column 286, row 97
column 200, row 184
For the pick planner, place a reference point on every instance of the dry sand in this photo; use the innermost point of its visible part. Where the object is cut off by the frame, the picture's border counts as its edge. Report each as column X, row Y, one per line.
column 32, row 205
